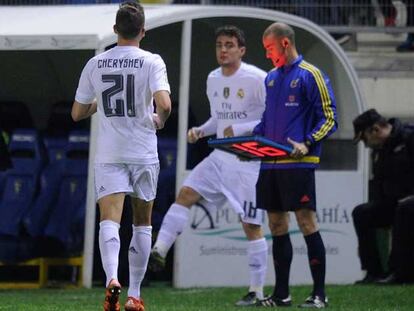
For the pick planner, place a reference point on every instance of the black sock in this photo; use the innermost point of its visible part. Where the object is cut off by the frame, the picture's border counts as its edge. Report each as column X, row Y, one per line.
column 282, row 259
column 317, row 262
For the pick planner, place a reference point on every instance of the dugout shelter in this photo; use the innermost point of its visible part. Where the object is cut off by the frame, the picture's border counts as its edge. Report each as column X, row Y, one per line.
column 44, row 48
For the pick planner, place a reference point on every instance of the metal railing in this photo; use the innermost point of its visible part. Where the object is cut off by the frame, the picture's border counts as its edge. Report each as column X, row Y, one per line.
column 339, row 15
column 334, row 15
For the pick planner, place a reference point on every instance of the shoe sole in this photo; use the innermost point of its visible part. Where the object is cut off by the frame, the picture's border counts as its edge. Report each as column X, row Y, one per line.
column 115, row 292
column 133, row 308
column 245, row 304
column 277, row 305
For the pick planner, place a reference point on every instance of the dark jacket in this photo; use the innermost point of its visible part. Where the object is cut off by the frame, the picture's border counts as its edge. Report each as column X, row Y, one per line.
column 393, row 165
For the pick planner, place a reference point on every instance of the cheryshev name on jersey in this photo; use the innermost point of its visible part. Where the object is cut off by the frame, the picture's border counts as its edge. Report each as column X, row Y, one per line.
column 121, row 63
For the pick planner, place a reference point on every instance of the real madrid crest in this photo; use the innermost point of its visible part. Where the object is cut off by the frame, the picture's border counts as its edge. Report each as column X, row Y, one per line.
column 294, row 83
column 226, row 92
column 240, row 93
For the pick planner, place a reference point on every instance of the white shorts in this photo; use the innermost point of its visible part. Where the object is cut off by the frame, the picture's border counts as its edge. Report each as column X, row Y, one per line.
column 217, row 181
column 137, row 180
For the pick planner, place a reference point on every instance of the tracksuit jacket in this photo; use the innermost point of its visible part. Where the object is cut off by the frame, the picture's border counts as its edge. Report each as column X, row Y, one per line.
column 300, row 104
column 393, row 165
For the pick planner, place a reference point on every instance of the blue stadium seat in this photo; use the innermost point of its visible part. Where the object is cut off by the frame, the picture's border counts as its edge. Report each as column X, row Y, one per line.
column 27, row 151
column 77, row 152
column 36, row 219
column 71, row 199
column 27, row 155
column 17, row 197
column 55, row 148
column 70, row 203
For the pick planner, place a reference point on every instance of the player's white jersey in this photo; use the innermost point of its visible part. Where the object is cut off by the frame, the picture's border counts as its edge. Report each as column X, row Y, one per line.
column 237, row 100
column 123, row 80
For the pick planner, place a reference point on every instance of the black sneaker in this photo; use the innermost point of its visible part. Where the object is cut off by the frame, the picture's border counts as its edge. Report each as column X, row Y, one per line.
column 368, row 279
column 315, row 302
column 156, row 262
column 250, row 299
column 391, row 279
column 272, row 301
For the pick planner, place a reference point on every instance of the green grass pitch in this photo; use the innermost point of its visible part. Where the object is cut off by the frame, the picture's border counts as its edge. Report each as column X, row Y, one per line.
column 163, row 298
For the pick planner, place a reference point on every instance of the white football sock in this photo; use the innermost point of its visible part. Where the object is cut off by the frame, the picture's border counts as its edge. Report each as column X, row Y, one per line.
column 257, row 259
column 109, row 245
column 172, row 226
column 138, row 254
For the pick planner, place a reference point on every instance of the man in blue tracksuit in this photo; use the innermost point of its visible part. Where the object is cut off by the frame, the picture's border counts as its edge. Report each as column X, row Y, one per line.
column 300, row 111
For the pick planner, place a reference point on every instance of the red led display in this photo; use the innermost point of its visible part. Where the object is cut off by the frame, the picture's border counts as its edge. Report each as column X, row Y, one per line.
column 252, row 147
column 255, row 149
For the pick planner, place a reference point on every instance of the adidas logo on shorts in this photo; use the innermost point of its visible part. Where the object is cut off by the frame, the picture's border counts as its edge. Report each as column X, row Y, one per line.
column 102, row 188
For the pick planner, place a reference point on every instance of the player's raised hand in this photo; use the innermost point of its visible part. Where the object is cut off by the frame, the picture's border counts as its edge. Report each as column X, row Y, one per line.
column 299, row 149
column 194, row 134
column 228, row 132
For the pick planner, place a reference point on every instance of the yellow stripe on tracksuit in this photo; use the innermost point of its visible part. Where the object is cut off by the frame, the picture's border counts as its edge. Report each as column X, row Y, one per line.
column 326, row 100
column 305, row 159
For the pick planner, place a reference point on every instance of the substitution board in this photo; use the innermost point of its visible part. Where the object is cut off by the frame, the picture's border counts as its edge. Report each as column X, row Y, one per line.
column 252, row 147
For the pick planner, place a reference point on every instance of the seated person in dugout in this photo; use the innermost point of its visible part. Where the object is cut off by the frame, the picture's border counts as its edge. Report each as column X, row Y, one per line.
column 392, row 189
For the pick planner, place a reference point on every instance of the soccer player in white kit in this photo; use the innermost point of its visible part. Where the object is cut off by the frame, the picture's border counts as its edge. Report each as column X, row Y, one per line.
column 236, row 93
column 125, row 80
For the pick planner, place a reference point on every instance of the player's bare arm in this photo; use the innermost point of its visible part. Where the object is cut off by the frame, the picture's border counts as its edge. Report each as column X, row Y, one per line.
column 163, row 108
column 80, row 111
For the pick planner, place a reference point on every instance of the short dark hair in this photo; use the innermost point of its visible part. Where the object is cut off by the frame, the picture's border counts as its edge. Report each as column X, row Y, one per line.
column 281, row 30
column 134, row 3
column 232, row 31
column 130, row 19
column 365, row 121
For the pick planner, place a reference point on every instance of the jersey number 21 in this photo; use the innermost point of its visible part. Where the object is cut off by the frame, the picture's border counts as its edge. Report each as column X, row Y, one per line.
column 116, row 108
